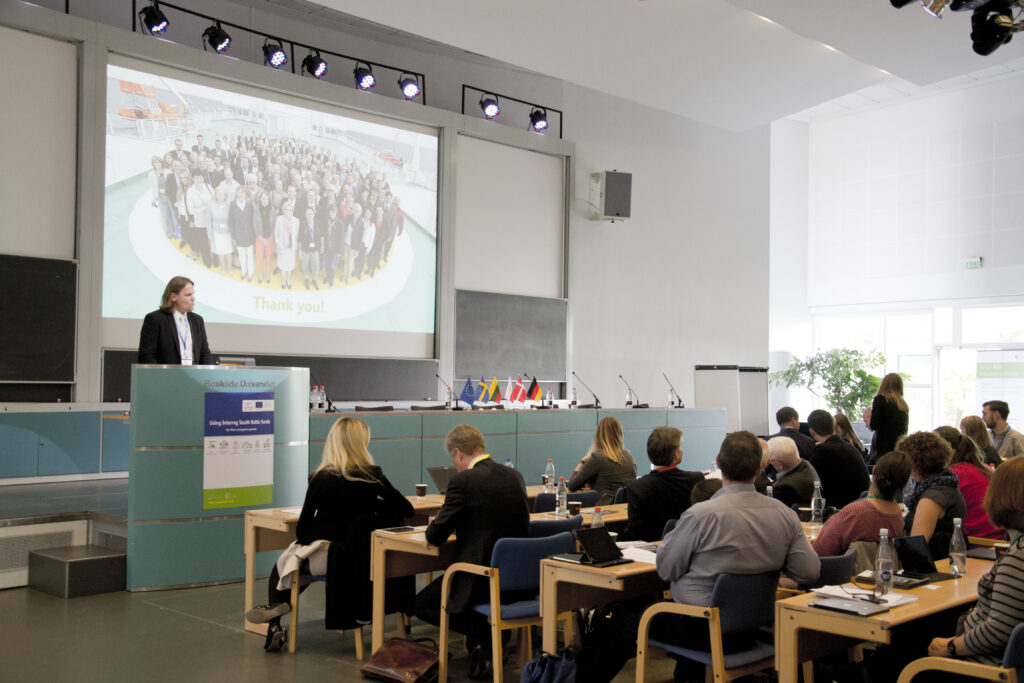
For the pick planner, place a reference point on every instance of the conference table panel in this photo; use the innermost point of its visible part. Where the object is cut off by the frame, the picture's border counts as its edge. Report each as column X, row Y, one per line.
column 564, row 448
column 702, row 435
column 636, row 427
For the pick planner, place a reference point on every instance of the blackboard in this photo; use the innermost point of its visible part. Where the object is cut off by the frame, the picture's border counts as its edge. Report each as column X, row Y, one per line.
column 37, row 319
column 507, row 335
column 344, row 379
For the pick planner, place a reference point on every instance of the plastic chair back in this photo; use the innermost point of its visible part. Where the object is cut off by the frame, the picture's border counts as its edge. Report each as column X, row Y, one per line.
column 539, row 528
column 620, row 496
column 545, row 502
column 518, row 559
column 1013, row 658
column 837, row 569
column 745, row 602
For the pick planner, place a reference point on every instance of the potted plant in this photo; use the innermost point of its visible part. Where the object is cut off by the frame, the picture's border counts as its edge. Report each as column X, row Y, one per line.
column 840, row 377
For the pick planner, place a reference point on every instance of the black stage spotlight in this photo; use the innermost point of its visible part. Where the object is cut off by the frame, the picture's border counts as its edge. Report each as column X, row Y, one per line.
column 218, row 38
column 314, row 65
column 410, row 86
column 901, row 3
column 274, row 54
column 489, row 105
column 991, row 27
column 153, row 19
column 539, row 119
column 364, row 76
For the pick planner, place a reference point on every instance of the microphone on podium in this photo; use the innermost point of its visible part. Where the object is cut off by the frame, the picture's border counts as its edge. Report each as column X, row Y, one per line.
column 597, row 402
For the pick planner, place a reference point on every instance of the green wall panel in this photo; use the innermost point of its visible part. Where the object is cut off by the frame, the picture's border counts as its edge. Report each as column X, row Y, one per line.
column 187, row 552
column 116, row 446
column 69, row 443
column 19, row 444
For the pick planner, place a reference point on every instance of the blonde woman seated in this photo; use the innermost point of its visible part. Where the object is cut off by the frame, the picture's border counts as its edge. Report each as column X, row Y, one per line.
column 607, row 466
column 348, row 496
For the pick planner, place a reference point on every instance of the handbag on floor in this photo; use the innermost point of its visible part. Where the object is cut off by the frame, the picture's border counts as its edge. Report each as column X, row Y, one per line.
column 545, row 668
column 403, row 660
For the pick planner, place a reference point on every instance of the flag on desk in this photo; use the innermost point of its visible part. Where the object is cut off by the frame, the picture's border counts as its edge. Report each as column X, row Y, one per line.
column 508, row 390
column 481, row 391
column 534, row 393
column 493, row 391
column 468, row 394
column 518, row 393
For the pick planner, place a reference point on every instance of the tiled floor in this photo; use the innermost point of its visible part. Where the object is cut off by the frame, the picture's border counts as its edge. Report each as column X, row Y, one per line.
column 109, row 496
column 193, row 634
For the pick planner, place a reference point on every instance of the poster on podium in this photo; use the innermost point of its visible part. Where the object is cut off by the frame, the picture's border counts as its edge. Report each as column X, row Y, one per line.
column 238, row 450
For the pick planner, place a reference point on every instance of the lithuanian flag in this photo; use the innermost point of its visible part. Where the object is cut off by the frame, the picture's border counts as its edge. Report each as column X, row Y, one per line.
column 494, row 393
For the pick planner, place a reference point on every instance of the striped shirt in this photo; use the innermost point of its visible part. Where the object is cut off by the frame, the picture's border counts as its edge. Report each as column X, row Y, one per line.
column 986, row 628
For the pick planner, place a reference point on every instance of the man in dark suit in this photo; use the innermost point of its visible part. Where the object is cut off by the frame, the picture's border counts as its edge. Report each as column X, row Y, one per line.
column 174, row 335
column 838, row 464
column 664, row 494
column 789, row 422
column 485, row 501
column 796, row 476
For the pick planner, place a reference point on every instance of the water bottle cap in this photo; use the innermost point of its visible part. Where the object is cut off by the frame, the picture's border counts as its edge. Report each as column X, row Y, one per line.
column 561, row 479
column 883, row 532
column 549, row 459
column 596, row 509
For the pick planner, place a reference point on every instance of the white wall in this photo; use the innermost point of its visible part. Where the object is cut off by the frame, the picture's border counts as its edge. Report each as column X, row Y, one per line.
column 902, row 195
column 682, row 282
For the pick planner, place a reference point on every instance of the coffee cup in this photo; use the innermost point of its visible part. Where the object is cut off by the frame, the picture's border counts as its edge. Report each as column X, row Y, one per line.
column 574, row 507
column 421, row 490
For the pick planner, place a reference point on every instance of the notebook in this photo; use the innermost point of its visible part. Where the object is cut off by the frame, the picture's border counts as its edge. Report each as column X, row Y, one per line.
column 599, row 550
column 916, row 560
column 441, row 476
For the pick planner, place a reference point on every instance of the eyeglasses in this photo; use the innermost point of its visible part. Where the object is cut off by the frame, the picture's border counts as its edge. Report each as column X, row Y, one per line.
column 867, row 596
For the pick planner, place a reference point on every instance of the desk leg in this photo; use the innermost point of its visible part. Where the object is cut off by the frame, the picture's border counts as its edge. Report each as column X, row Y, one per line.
column 549, row 611
column 250, row 577
column 786, row 647
column 377, row 575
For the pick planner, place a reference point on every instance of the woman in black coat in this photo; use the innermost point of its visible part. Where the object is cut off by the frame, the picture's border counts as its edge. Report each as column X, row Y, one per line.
column 888, row 417
column 347, row 498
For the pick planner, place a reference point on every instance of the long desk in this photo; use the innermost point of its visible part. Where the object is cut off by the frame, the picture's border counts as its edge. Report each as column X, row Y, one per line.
column 566, row 586
column 803, row 633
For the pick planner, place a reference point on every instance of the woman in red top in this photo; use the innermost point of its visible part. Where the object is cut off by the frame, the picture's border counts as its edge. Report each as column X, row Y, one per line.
column 974, row 478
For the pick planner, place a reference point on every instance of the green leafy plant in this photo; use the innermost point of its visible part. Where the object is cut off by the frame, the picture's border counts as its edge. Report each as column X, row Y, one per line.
column 840, row 377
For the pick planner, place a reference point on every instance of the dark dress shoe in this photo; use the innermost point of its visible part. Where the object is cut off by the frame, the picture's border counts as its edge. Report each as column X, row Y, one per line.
column 276, row 638
column 480, row 668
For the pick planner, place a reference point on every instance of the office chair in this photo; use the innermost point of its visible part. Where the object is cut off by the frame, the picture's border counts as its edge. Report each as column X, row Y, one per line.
column 515, row 566
column 540, row 528
column 739, row 603
column 1011, row 671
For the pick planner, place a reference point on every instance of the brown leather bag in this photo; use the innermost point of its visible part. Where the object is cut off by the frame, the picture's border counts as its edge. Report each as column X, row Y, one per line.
column 403, row 660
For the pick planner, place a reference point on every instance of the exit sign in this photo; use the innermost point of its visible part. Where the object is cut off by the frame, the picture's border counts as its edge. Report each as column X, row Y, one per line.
column 974, row 263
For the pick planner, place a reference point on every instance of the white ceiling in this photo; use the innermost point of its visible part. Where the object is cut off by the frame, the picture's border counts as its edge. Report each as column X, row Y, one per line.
column 731, row 63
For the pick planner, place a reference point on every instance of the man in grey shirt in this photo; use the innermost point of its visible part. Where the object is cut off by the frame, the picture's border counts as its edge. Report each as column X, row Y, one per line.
column 738, row 531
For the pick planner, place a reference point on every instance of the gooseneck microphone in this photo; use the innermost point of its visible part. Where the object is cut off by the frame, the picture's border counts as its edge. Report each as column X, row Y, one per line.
column 635, row 397
column 597, row 401
column 678, row 402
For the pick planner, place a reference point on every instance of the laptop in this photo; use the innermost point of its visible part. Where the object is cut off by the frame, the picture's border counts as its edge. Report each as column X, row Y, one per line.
column 858, row 607
column 916, row 560
column 441, row 476
column 599, row 550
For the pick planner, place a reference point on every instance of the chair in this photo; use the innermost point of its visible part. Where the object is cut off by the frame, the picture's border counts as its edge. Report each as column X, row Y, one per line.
column 378, row 409
column 670, row 524
column 739, row 603
column 540, row 528
column 866, row 551
column 545, row 502
column 982, row 542
column 1011, row 671
column 620, row 496
column 836, row 569
column 438, row 406
column 515, row 566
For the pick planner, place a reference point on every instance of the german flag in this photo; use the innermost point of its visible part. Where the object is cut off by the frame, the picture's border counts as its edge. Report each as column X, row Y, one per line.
column 534, row 392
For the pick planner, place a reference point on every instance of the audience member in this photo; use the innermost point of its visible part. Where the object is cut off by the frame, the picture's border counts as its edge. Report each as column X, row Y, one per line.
column 973, row 479
column 607, row 466
column 794, row 484
column 974, row 427
column 789, row 422
column 936, row 500
column 888, row 416
column 838, row 464
column 664, row 493
column 845, row 431
column 1009, row 443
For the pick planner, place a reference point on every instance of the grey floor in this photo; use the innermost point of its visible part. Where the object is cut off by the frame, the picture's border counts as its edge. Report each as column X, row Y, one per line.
column 191, row 634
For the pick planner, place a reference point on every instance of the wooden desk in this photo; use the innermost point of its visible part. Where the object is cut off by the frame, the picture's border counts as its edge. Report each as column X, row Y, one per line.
column 803, row 633
column 566, row 586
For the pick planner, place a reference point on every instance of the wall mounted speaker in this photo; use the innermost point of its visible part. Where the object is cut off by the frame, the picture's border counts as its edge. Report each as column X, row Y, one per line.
column 613, row 192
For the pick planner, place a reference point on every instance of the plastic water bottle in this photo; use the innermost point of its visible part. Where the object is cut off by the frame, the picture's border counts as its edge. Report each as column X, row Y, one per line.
column 550, row 399
column 572, row 402
column 958, row 549
column 885, row 564
column 321, row 396
column 508, row 463
column 448, row 396
column 817, row 505
column 629, row 396
column 561, row 499
column 671, row 398
column 549, row 476
column 768, row 492
column 598, row 519
column 312, row 398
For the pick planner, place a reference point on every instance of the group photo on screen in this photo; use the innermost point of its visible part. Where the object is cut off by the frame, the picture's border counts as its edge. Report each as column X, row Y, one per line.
column 279, row 213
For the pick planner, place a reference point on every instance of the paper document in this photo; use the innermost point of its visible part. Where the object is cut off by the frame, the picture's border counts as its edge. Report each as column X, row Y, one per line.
column 640, row 555
column 892, row 599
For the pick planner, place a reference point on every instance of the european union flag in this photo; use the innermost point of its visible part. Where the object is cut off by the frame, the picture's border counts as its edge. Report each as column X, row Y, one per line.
column 468, row 394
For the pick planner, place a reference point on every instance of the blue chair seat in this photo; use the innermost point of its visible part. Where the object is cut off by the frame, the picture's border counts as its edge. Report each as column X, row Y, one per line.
column 758, row 651
column 513, row 610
